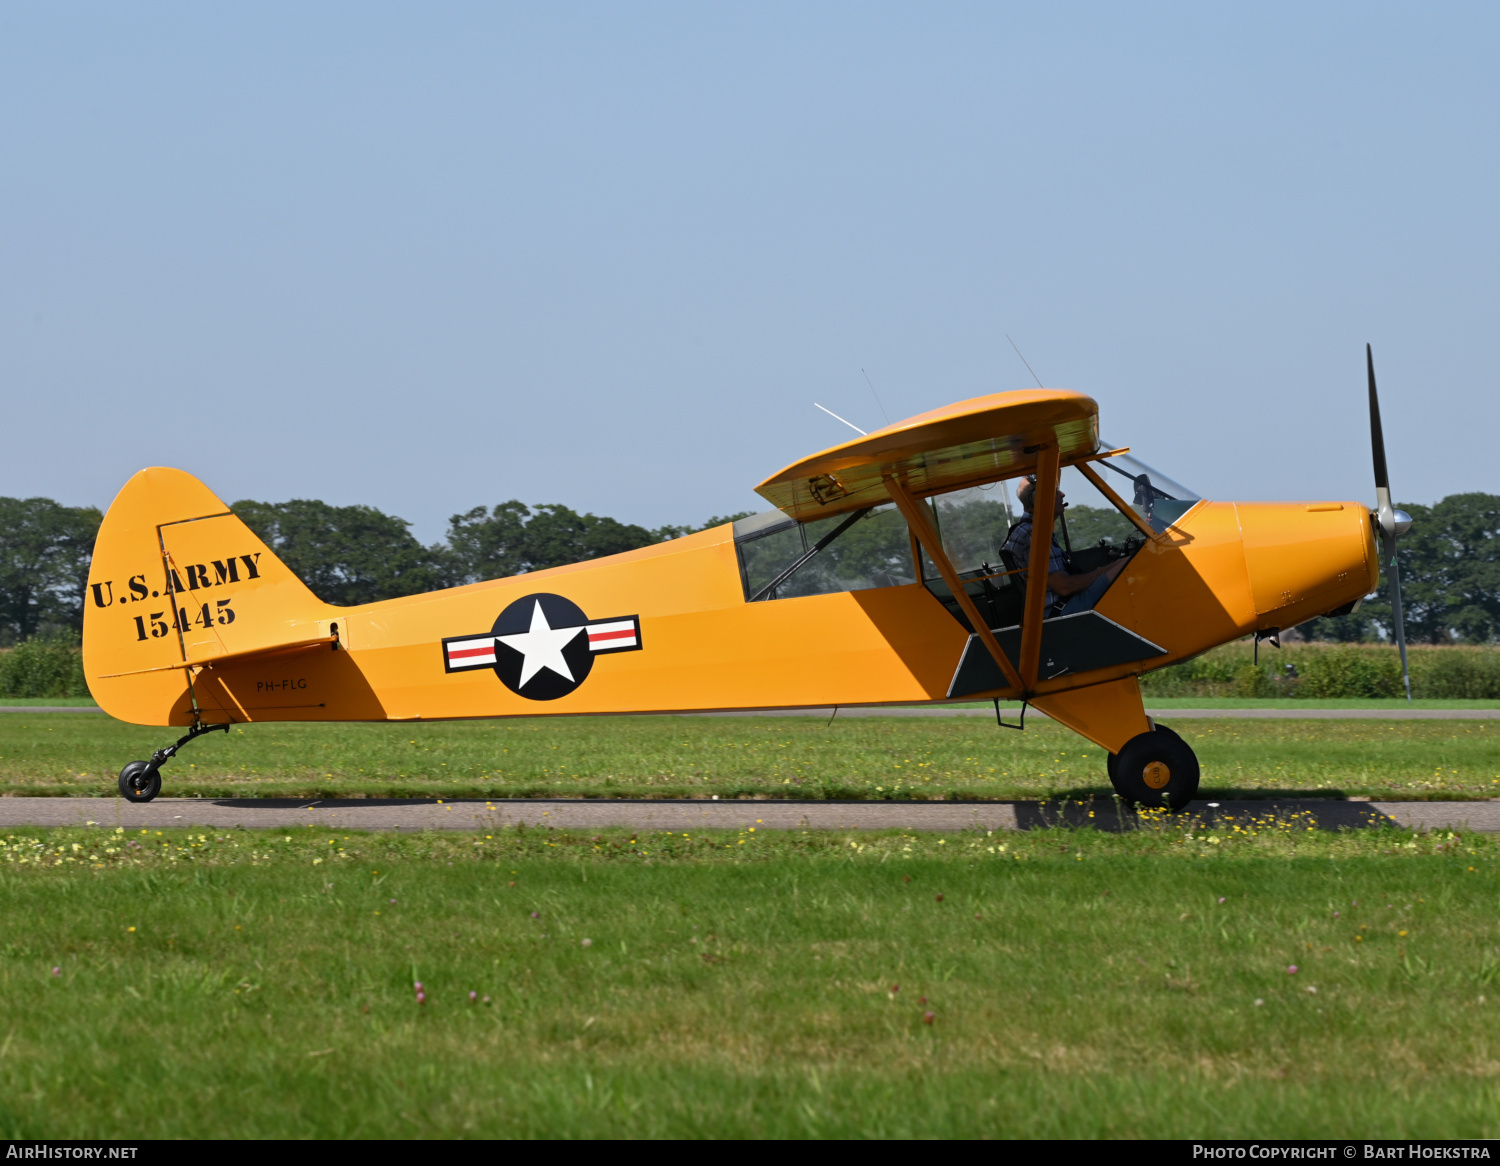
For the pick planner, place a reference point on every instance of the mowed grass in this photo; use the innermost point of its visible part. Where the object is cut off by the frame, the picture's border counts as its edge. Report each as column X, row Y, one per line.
column 1261, row 982
column 740, row 757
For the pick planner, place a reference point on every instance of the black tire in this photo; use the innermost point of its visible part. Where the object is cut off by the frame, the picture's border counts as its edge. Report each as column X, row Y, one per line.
column 139, row 782
column 1156, row 770
column 1112, row 766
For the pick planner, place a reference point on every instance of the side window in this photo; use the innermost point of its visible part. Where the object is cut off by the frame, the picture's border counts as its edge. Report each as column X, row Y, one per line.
column 972, row 525
column 860, row 551
column 768, row 544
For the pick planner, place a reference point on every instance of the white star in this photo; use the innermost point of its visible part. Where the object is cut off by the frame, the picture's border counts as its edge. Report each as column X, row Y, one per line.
column 542, row 646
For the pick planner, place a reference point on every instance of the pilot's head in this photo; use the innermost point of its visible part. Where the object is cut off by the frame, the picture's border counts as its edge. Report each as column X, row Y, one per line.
column 1027, row 493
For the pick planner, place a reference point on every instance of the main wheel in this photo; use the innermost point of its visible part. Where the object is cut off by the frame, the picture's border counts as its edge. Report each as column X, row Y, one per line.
column 1156, row 769
column 139, row 782
column 1112, row 766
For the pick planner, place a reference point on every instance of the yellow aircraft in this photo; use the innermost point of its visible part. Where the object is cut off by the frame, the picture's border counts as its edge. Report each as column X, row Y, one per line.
column 892, row 570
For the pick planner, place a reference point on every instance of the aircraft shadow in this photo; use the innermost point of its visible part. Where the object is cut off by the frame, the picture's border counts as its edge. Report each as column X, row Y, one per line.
column 1087, row 811
column 1111, row 816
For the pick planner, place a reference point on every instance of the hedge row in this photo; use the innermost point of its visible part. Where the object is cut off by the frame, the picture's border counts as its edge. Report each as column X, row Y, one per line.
column 43, row 667
column 1331, row 671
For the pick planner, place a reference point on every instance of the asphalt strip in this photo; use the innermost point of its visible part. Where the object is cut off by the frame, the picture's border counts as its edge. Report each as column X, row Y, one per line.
column 431, row 814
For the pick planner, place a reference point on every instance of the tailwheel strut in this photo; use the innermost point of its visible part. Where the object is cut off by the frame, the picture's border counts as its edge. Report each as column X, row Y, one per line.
column 140, row 781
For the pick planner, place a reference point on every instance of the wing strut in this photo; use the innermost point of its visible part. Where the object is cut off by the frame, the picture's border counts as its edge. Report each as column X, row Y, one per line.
column 1043, row 511
column 916, row 521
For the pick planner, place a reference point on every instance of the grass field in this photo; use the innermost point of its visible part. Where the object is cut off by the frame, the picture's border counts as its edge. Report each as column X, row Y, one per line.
column 798, row 757
column 1391, row 703
column 253, row 984
column 51, row 701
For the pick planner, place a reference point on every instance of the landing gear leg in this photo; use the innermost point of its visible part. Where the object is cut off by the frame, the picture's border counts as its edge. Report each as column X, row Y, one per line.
column 140, row 781
column 1157, row 769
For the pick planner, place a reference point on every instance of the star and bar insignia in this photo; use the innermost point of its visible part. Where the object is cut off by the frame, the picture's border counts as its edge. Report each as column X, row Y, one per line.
column 542, row 646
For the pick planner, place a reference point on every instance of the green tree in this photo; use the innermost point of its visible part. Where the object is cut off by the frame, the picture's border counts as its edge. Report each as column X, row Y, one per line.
column 556, row 536
column 513, row 538
column 1088, row 526
column 664, row 533
column 347, row 554
column 485, row 544
column 45, row 550
column 1450, row 572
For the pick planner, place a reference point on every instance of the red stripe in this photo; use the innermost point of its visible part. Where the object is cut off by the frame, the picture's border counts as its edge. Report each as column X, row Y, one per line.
column 470, row 652
column 625, row 635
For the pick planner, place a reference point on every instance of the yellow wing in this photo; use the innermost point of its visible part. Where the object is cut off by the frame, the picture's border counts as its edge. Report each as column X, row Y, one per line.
column 970, row 443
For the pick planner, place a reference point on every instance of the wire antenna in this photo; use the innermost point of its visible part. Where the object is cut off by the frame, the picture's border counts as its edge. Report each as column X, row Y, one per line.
column 876, row 395
column 836, row 417
column 1024, row 361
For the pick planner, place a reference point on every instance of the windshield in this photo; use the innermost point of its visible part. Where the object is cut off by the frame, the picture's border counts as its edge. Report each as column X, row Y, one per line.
column 1151, row 494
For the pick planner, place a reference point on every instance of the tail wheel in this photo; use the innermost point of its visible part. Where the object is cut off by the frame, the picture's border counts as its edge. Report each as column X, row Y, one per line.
column 1156, row 769
column 139, row 782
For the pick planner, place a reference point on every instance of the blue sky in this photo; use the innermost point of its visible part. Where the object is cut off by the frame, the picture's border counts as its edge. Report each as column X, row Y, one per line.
column 427, row 256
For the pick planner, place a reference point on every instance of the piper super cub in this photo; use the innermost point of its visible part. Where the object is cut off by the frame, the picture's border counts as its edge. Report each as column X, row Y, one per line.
column 896, row 568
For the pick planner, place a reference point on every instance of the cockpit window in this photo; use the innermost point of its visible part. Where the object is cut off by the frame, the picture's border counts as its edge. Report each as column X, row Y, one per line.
column 783, row 559
column 975, row 523
column 1151, row 494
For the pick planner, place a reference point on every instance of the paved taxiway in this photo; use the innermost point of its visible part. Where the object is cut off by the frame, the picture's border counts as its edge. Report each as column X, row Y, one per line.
column 430, row 814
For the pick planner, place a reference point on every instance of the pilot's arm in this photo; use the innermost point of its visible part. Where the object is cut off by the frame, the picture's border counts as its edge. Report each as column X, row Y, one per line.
column 1061, row 583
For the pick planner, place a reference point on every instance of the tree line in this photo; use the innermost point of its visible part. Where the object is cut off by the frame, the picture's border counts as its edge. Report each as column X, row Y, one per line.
column 1449, row 562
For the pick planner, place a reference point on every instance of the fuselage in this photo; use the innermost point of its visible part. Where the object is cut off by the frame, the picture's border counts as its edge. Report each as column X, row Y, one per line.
column 1221, row 571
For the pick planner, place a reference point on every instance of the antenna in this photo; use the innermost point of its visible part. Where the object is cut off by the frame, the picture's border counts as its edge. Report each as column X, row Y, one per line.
column 836, row 417
column 876, row 395
column 1024, row 361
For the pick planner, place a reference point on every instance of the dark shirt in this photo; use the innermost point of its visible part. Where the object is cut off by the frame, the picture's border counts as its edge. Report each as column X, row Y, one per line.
column 1019, row 547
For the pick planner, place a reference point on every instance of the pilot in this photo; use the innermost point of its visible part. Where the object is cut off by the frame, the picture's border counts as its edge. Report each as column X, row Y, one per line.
column 1073, row 592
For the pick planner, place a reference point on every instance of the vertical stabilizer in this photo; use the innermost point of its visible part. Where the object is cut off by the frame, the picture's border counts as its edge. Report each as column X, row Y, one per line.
column 179, row 582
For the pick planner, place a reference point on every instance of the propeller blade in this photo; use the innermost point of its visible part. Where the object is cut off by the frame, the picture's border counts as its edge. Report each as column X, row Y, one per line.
column 1386, row 518
column 1377, row 436
column 1383, row 510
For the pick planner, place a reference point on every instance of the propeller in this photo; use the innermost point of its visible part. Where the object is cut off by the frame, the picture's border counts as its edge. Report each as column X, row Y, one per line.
column 1392, row 522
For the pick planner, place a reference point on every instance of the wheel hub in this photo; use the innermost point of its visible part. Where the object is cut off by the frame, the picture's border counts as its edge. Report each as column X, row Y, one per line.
column 1156, row 774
